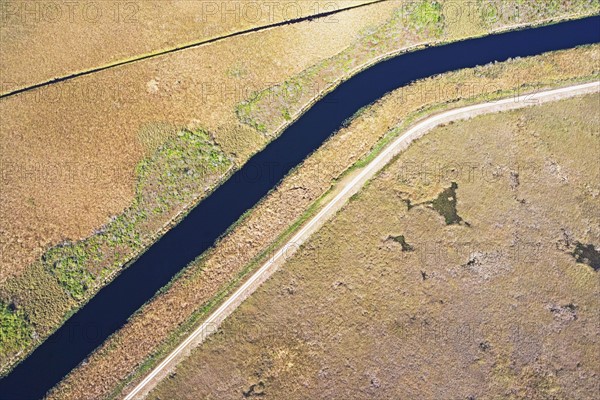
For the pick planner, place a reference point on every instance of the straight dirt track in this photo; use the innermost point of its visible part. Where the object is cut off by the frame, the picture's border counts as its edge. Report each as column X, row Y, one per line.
column 182, row 47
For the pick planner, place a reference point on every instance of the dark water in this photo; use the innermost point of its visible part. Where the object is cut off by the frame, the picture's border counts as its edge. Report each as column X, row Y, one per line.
column 113, row 305
column 587, row 254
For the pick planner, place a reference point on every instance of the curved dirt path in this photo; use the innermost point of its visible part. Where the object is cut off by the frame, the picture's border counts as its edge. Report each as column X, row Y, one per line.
column 212, row 323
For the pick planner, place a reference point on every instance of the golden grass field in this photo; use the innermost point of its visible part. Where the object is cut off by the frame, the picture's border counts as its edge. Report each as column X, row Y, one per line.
column 393, row 302
column 72, row 156
column 81, row 191
column 89, row 34
column 74, row 146
column 189, row 298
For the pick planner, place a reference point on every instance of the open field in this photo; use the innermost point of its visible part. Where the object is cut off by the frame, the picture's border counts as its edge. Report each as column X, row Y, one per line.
column 92, row 132
column 89, row 34
column 445, row 204
column 72, row 220
column 393, row 299
column 72, row 153
column 179, row 307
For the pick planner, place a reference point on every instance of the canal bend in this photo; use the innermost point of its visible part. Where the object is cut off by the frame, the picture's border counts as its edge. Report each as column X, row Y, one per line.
column 109, row 310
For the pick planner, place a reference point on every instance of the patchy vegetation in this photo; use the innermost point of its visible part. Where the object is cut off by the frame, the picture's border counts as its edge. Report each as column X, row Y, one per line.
column 444, row 204
column 587, row 254
column 89, row 158
column 40, row 298
column 87, row 174
column 184, row 167
column 87, row 185
column 495, row 14
column 400, row 239
column 15, row 333
column 268, row 109
column 424, row 16
column 412, row 24
column 181, row 306
column 498, row 310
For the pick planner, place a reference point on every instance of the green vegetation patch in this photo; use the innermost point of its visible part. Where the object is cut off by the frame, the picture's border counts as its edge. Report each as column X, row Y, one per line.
column 39, row 296
column 15, row 331
column 187, row 164
column 425, row 16
column 444, row 204
column 179, row 170
column 184, row 166
column 413, row 23
column 67, row 263
column 402, row 240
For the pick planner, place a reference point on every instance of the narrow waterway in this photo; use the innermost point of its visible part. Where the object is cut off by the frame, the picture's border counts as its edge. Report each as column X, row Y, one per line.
column 114, row 304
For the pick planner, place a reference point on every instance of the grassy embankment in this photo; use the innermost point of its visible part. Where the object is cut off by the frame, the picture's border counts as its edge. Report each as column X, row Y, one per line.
column 83, row 189
column 441, row 25
column 78, row 268
column 231, row 257
column 501, row 307
column 184, row 166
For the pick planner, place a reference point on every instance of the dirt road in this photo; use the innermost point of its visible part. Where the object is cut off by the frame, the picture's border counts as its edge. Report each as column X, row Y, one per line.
column 315, row 223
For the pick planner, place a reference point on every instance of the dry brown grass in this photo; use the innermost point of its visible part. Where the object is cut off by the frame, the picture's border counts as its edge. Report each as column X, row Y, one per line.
column 46, row 39
column 165, row 314
column 497, row 309
column 412, row 25
column 69, row 151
